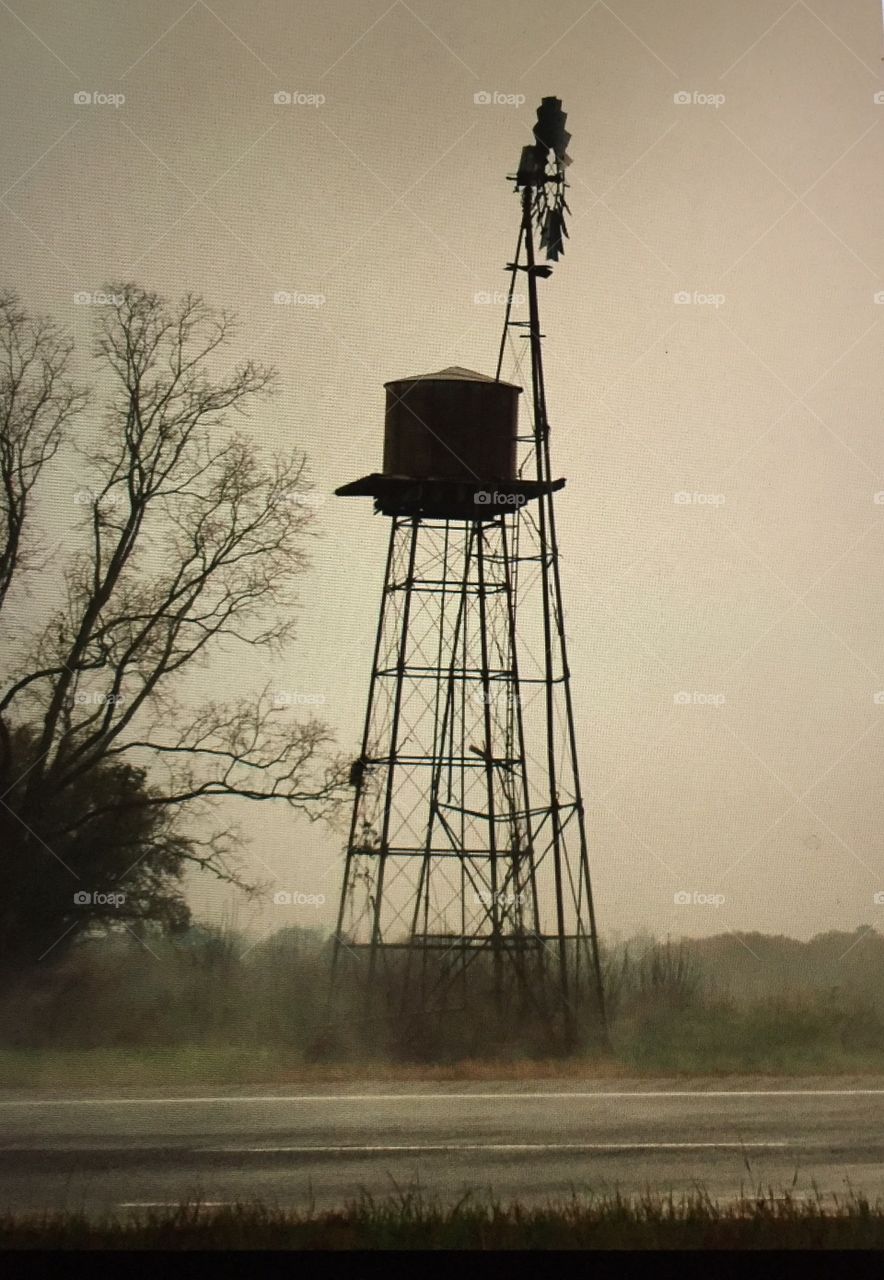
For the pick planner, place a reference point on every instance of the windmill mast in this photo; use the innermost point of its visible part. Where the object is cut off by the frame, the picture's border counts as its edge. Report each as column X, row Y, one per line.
column 540, row 180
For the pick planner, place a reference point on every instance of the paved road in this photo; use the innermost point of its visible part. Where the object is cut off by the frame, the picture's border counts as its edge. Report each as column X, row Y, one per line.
column 531, row 1141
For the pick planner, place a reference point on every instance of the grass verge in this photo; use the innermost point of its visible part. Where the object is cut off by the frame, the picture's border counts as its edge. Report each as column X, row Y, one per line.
column 410, row 1221
column 226, row 1067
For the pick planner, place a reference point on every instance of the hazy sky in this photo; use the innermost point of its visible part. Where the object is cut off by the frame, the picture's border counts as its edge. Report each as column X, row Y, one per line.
column 761, row 599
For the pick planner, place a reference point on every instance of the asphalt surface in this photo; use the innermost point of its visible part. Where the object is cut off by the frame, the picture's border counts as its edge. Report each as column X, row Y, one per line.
column 531, row 1141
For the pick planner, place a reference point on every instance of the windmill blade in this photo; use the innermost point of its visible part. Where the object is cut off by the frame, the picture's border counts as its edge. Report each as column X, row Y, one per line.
column 554, row 233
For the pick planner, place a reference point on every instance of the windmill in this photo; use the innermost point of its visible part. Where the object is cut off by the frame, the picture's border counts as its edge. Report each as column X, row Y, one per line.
column 542, row 175
column 466, row 883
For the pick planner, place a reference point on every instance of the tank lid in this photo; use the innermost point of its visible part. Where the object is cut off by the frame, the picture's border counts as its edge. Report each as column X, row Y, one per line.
column 454, row 373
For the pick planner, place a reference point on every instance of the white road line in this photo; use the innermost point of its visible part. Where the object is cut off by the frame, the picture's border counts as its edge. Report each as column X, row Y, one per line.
column 173, row 1204
column 547, row 1095
column 349, row 1149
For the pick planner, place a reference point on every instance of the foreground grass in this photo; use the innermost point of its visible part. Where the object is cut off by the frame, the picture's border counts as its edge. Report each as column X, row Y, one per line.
column 409, row 1221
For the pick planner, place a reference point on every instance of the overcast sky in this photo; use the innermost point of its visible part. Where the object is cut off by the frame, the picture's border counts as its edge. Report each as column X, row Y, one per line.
column 726, row 649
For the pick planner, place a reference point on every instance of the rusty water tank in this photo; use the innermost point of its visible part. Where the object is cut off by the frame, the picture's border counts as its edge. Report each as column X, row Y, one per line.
column 452, row 425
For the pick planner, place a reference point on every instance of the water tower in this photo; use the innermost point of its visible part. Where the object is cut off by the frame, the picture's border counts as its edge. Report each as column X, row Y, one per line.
column 466, row 883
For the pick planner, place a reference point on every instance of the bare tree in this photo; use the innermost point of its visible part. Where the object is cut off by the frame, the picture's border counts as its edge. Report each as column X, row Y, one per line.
column 192, row 538
column 38, row 399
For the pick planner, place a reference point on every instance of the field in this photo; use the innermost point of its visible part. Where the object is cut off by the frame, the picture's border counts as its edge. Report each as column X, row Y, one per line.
column 209, row 1008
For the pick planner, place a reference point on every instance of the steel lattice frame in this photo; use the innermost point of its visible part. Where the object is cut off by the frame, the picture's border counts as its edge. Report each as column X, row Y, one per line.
column 467, row 865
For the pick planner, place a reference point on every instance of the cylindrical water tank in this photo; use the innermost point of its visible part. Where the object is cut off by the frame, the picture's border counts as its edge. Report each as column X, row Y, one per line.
column 451, row 425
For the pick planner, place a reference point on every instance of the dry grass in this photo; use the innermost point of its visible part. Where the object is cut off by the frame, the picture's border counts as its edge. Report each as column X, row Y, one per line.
column 200, row 1068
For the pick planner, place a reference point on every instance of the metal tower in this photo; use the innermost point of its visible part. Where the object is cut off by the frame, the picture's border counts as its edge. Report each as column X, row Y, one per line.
column 467, row 885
